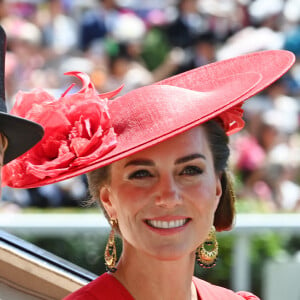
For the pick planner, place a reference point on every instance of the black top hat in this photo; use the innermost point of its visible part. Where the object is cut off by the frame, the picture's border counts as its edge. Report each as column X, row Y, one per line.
column 21, row 134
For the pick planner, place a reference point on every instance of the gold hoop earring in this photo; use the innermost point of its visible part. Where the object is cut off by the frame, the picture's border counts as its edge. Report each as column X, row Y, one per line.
column 110, row 254
column 207, row 252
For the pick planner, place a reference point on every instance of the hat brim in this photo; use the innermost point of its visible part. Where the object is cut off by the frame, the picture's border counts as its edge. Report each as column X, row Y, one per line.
column 149, row 115
column 271, row 64
column 21, row 134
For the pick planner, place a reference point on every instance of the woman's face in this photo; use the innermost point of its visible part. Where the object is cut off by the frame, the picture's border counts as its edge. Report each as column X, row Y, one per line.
column 164, row 197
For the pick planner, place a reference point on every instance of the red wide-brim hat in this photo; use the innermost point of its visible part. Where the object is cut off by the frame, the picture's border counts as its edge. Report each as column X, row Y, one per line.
column 85, row 131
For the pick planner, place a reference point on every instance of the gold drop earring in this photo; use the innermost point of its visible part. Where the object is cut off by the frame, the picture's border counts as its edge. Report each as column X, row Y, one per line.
column 110, row 254
column 207, row 252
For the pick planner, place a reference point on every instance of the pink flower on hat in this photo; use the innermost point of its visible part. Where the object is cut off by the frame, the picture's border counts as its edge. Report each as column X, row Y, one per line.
column 78, row 130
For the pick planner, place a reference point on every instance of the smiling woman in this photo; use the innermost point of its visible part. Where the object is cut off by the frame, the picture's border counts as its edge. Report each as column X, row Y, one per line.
column 156, row 161
column 151, row 190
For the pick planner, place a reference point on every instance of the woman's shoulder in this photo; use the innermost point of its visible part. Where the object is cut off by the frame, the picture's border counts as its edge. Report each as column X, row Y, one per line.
column 208, row 291
column 104, row 287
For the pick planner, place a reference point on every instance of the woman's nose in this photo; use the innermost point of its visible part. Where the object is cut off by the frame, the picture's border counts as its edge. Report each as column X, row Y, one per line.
column 168, row 194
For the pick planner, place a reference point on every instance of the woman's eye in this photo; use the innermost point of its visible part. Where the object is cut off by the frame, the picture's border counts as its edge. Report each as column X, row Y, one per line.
column 140, row 174
column 191, row 170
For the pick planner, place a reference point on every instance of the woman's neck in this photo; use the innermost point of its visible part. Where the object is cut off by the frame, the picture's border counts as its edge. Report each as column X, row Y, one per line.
column 146, row 277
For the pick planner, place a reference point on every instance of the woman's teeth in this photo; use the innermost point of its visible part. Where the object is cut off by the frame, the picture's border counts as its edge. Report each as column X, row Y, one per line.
column 166, row 224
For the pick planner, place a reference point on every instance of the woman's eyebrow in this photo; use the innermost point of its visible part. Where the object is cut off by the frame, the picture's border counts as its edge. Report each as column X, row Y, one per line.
column 139, row 162
column 189, row 157
column 148, row 162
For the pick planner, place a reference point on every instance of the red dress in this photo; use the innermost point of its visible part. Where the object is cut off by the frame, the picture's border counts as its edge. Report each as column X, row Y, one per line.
column 107, row 287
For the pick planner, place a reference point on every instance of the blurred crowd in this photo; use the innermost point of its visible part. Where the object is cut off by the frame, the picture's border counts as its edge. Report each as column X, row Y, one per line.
column 136, row 43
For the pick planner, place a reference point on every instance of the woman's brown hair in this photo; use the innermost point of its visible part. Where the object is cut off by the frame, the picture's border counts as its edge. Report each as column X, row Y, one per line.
column 218, row 141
